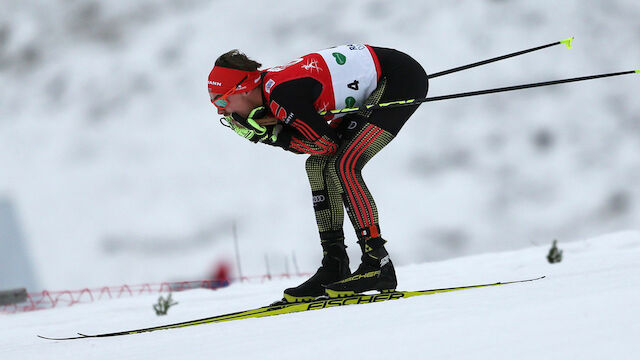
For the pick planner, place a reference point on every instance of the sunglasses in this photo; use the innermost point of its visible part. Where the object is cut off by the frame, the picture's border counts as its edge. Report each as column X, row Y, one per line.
column 221, row 101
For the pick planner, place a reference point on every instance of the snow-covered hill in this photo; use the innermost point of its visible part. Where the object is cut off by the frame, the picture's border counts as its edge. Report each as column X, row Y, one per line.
column 586, row 308
column 120, row 172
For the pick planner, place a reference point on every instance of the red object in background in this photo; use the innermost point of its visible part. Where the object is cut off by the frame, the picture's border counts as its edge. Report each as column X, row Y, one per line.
column 220, row 276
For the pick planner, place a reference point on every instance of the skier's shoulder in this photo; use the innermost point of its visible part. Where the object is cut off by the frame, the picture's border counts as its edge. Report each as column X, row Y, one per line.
column 291, row 80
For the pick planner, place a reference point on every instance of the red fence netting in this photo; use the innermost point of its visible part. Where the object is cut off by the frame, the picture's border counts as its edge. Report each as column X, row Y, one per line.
column 50, row 299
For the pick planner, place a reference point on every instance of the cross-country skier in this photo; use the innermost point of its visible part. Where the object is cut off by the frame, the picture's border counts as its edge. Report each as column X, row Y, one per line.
column 280, row 106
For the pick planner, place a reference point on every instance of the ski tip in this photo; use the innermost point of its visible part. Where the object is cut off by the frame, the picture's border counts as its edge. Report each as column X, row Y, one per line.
column 59, row 339
column 567, row 42
column 638, row 71
column 49, row 338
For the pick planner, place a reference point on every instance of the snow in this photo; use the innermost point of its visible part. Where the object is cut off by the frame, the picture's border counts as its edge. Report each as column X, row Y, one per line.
column 585, row 308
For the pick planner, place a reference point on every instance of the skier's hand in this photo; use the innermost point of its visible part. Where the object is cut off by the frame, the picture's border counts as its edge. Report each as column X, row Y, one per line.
column 249, row 134
column 251, row 128
column 251, row 121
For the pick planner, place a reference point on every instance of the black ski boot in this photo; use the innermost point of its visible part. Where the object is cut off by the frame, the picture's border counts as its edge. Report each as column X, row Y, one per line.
column 376, row 272
column 335, row 266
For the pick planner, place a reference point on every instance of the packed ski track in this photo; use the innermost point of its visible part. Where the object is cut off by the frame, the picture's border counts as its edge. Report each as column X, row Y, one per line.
column 585, row 308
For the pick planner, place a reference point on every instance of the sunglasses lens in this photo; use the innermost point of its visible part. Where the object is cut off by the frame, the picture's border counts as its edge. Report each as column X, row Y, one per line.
column 221, row 103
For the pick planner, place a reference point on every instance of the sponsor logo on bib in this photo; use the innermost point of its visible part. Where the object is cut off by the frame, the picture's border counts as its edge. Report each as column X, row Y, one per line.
column 350, row 101
column 340, row 59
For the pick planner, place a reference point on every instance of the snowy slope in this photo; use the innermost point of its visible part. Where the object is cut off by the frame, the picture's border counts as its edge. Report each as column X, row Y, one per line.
column 586, row 308
column 120, row 172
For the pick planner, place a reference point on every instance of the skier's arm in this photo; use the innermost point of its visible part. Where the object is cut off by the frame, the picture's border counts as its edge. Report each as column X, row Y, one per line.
column 303, row 131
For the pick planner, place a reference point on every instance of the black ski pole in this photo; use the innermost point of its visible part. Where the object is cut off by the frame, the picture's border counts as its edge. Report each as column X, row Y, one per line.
column 526, row 86
column 410, row 102
column 567, row 42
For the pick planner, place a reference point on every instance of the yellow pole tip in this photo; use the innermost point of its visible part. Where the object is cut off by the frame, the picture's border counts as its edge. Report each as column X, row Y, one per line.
column 567, row 42
column 638, row 71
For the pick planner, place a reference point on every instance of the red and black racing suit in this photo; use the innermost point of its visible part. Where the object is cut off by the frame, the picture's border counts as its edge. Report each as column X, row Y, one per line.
column 339, row 150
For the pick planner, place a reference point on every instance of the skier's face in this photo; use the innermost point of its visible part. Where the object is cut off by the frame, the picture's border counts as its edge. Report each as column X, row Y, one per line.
column 234, row 103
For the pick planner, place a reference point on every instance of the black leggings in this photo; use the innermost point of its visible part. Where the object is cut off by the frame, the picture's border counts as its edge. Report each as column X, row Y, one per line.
column 405, row 79
column 336, row 179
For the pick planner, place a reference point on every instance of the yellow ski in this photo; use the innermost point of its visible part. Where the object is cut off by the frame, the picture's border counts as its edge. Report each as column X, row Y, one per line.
column 286, row 308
